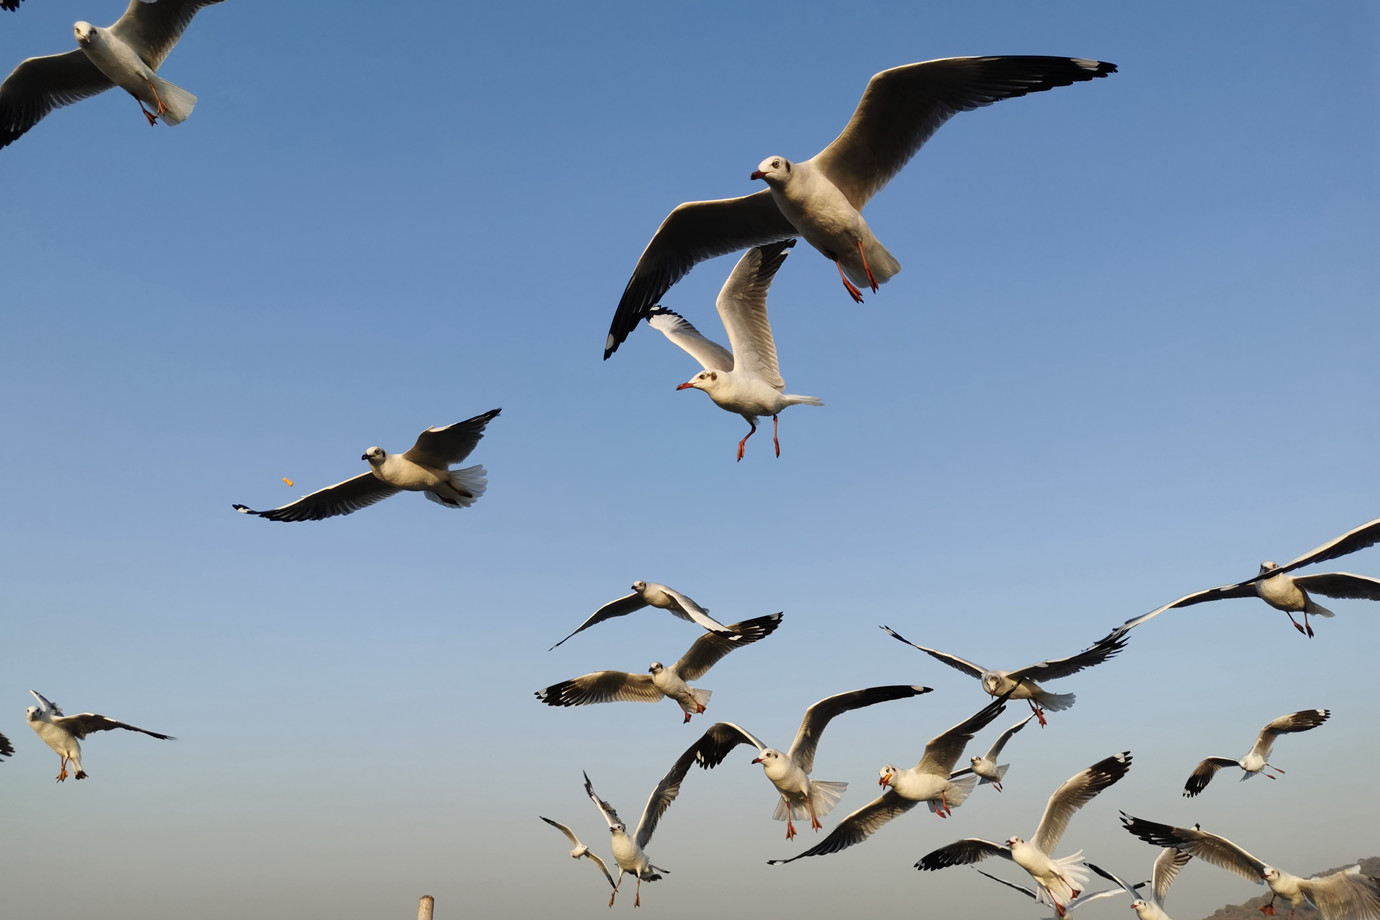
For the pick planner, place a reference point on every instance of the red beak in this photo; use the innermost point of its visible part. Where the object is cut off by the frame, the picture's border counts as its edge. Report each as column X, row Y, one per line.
column 757, row 174
column 686, row 386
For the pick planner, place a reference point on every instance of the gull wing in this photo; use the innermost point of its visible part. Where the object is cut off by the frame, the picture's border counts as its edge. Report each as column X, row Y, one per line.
column 1222, row 592
column 1104, row 648
column 152, row 29
column 718, row 740
column 1077, row 791
column 663, row 795
column 902, row 107
column 605, row 809
column 1367, row 534
column 1166, row 869
column 692, row 232
column 575, row 841
column 711, row 355
column 1219, row 851
column 857, row 827
column 710, row 647
column 41, row 84
column 944, row 749
column 621, row 607
column 44, row 705
column 341, row 498
column 1300, row 721
column 438, row 448
column 1341, row 584
column 953, row 661
column 742, row 305
column 1344, row 894
column 1204, row 772
column 1005, row 736
column 85, row 723
column 1132, row 890
column 818, row 716
column 601, row 687
column 961, row 853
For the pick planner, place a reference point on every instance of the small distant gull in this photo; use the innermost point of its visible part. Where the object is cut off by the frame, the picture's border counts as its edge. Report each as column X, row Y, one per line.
column 986, row 765
column 1275, row 586
column 1071, row 906
column 61, row 733
column 126, row 54
column 1020, row 683
column 662, row 681
column 1166, row 869
column 929, row 781
column 746, row 380
column 1061, row 880
column 822, row 198
column 789, row 772
column 1256, row 760
column 1344, row 895
column 649, row 593
column 581, row 850
column 423, row 468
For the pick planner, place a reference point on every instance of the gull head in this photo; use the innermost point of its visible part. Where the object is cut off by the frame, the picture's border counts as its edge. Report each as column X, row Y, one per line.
column 374, row 455
column 639, row 586
column 768, row 756
column 656, row 668
column 32, row 714
column 1012, row 841
column 83, row 31
column 775, row 171
column 991, row 682
column 1139, row 904
column 887, row 772
column 1267, row 567
column 704, row 380
column 1269, row 873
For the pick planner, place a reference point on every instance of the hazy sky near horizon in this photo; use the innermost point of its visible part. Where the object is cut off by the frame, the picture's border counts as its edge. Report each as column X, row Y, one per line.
column 1130, row 355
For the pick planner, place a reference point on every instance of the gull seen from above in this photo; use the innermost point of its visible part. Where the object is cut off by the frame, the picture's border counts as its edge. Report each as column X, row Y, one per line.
column 126, row 54
column 423, row 468
column 1020, row 684
column 63, row 733
column 651, row 594
column 1256, row 760
column 662, row 680
column 821, row 199
column 746, row 380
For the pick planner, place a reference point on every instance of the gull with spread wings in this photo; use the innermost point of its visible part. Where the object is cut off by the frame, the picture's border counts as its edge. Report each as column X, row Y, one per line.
column 581, row 849
column 1162, row 875
column 651, row 594
column 986, row 766
column 1256, row 760
column 63, row 733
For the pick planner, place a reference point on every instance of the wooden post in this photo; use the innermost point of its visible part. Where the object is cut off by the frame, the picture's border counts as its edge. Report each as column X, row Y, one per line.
column 425, row 906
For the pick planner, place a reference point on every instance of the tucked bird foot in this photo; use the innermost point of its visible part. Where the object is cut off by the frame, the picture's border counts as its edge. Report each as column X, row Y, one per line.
column 852, row 289
column 871, row 278
column 773, row 436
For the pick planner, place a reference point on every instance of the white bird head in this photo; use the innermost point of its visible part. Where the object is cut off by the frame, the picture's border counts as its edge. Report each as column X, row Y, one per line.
column 83, row 30
column 1012, row 841
column 657, row 667
column 775, row 170
column 887, row 772
column 32, row 714
column 1139, row 904
column 991, row 681
column 374, row 455
column 1267, row 566
column 1269, row 873
column 975, row 760
column 639, row 586
column 704, row 380
column 768, row 756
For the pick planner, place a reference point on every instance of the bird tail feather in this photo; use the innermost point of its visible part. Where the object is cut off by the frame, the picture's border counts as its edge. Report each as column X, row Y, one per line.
column 468, row 484
column 1057, row 702
column 958, row 792
column 794, row 400
column 178, row 101
column 1001, row 774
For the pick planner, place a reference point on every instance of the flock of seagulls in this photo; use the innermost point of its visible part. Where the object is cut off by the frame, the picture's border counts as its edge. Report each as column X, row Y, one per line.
column 819, row 199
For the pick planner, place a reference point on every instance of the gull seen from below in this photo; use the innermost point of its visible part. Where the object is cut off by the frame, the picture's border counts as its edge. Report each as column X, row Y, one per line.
column 63, row 733
column 628, row 850
column 1166, row 869
column 423, row 468
column 821, row 199
column 986, row 766
column 126, row 54
column 1256, row 759
column 745, row 380
column 581, row 850
column 651, row 594
column 1071, row 906
column 662, row 680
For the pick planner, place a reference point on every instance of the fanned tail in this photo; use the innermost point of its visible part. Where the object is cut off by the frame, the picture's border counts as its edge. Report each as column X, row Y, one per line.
column 794, row 400
column 178, row 101
column 1001, row 774
column 468, row 484
column 957, row 794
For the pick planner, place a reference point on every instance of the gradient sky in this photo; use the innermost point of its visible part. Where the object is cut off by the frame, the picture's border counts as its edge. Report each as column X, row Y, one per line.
column 1130, row 355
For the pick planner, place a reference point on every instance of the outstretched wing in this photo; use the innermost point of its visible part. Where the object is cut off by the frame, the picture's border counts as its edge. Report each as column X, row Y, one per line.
column 601, row 687
column 621, row 607
column 1300, row 721
column 341, row 498
column 742, row 305
column 1076, row 792
column 41, row 84
column 961, row 853
column 710, row 647
column 1367, row 534
column 85, row 723
column 438, row 448
column 857, row 827
column 1210, row 848
column 1098, row 652
column 152, row 29
column 710, row 749
column 818, row 716
column 953, row 661
column 710, row 354
column 1341, row 584
column 944, row 749
column 1203, row 774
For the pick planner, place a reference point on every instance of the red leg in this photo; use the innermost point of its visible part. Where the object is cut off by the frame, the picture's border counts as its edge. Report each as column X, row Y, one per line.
column 852, row 290
column 871, row 278
column 773, row 436
column 1039, row 713
column 742, row 445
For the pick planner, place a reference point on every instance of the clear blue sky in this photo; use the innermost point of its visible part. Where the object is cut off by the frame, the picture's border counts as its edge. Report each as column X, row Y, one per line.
column 1131, row 354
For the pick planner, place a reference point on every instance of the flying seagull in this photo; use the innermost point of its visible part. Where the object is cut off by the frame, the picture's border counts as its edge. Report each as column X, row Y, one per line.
column 581, row 850
column 1072, row 905
column 126, row 54
column 789, row 772
column 62, row 733
column 1344, row 895
column 745, row 380
column 651, row 594
column 628, row 850
column 822, row 198
column 424, row 468
column 929, row 781
column 1256, row 760
column 986, row 766
column 662, row 680
column 1166, row 869
column 1020, row 684
column 1275, row 586
column 1061, row 880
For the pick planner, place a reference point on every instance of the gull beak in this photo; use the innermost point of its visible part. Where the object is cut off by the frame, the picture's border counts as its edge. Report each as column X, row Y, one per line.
column 757, row 174
column 884, row 780
column 686, row 386
column 756, row 760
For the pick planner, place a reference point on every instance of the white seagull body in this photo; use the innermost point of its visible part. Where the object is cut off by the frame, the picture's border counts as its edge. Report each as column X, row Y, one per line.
column 662, row 680
column 651, row 594
column 822, row 198
column 1275, row 586
column 1257, row 758
column 1344, row 895
column 747, row 379
column 929, row 781
column 425, row 468
column 789, row 772
column 1020, row 684
column 127, row 54
column 581, row 850
column 62, row 733
column 628, row 850
column 1166, row 869
column 1061, row 880
column 986, row 766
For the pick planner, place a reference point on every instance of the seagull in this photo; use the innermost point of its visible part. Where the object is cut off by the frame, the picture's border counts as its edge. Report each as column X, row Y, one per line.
column 1275, row 586
column 662, row 680
column 649, row 593
column 928, row 781
column 821, row 198
column 789, row 772
column 1072, row 905
column 61, row 733
column 986, row 766
column 1344, row 895
column 1061, row 880
column 1256, row 760
column 423, row 468
column 581, row 849
column 628, row 851
column 745, row 380
column 1020, row 684
column 1166, row 869
column 126, row 54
